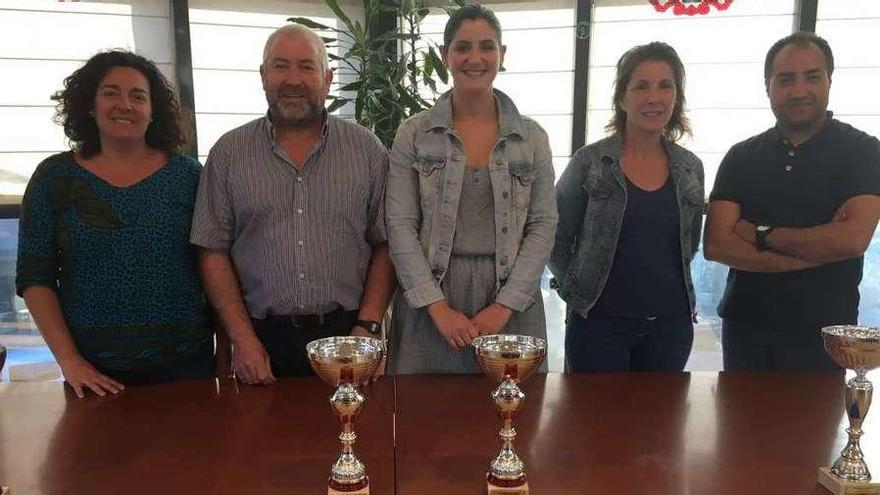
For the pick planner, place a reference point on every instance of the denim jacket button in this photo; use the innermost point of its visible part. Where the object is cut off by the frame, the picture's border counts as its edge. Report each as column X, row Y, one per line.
column 504, row 194
column 503, row 230
column 499, row 162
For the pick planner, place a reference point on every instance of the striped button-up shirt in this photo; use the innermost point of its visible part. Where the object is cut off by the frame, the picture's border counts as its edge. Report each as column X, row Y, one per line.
column 300, row 238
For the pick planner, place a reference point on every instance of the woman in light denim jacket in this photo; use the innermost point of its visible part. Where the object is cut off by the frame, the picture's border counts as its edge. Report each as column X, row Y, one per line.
column 630, row 215
column 470, row 211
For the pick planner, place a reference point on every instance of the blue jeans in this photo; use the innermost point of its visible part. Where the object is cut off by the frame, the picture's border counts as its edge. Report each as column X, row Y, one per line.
column 751, row 346
column 604, row 343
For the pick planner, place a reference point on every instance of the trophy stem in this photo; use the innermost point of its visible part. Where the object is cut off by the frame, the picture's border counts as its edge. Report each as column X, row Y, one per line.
column 507, row 469
column 851, row 465
column 348, row 473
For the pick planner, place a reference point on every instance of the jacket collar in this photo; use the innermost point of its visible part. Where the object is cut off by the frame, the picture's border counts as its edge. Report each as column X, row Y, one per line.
column 510, row 121
column 611, row 147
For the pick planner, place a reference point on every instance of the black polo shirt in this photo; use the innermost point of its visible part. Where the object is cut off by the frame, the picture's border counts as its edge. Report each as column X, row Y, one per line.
column 782, row 185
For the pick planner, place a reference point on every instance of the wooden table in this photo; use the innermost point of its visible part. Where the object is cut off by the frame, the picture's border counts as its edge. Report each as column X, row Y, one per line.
column 639, row 433
column 199, row 437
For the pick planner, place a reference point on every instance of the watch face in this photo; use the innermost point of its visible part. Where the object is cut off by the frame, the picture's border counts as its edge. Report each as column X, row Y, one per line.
column 371, row 327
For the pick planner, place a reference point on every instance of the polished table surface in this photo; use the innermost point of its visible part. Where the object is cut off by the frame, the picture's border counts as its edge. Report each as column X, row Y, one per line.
column 198, row 437
column 639, row 433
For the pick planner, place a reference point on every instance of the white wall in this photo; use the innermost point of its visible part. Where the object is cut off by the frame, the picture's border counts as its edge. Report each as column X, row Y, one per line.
column 41, row 43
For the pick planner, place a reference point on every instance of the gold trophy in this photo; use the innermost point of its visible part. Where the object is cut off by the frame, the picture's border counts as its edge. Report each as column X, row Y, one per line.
column 856, row 348
column 509, row 360
column 346, row 363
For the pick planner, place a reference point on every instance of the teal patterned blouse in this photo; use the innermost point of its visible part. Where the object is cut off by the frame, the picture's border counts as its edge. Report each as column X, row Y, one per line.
column 120, row 260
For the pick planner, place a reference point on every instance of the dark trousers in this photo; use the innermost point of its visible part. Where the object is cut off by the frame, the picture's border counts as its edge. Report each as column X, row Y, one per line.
column 604, row 343
column 752, row 346
column 286, row 343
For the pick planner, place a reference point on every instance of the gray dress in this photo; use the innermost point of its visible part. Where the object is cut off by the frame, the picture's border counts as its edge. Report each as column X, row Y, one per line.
column 415, row 344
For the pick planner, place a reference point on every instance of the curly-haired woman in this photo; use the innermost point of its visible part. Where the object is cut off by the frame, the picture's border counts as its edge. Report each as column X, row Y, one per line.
column 104, row 261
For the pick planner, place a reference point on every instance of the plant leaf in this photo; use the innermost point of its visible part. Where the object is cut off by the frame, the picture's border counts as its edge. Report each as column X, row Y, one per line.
column 334, row 6
column 310, row 23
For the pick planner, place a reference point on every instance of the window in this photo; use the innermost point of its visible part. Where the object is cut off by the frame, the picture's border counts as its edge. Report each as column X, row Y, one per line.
column 848, row 27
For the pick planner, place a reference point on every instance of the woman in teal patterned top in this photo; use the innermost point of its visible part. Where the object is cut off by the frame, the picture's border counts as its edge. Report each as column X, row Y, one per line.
column 104, row 261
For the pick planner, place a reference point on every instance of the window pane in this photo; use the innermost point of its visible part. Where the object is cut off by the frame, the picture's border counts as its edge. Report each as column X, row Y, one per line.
column 848, row 27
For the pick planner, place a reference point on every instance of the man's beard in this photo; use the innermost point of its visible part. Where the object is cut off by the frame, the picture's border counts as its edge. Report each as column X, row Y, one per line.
column 801, row 123
column 302, row 115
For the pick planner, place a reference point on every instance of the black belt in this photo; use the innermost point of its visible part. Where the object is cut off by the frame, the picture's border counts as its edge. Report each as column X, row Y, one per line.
column 317, row 320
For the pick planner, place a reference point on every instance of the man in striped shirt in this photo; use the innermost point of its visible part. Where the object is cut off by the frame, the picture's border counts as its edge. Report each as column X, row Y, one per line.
column 289, row 220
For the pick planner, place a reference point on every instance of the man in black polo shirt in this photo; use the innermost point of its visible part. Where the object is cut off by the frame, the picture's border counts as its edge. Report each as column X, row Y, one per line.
column 792, row 212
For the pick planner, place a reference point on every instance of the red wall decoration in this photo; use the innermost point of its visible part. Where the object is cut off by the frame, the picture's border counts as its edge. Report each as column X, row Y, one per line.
column 679, row 7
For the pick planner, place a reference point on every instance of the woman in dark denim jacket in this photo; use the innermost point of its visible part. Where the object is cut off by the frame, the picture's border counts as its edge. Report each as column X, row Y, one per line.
column 630, row 215
column 470, row 211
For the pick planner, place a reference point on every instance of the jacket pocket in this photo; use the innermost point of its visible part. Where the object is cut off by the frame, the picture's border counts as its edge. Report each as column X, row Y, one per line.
column 522, row 175
column 431, row 174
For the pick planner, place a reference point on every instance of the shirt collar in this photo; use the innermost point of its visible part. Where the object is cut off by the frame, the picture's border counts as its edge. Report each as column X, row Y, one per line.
column 509, row 118
column 322, row 138
column 823, row 132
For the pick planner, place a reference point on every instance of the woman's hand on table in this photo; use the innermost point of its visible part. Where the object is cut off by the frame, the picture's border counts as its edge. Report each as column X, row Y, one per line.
column 81, row 375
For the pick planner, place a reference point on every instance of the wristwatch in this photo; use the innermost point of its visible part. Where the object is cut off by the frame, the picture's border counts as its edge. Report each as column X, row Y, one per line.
column 372, row 327
column 761, row 233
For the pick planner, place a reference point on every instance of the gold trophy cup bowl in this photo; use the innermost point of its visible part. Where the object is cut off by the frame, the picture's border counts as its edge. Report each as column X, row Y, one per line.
column 508, row 360
column 346, row 363
column 856, row 348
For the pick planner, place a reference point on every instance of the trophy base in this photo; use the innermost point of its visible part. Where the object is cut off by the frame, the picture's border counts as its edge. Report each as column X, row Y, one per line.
column 362, row 491
column 843, row 487
column 361, row 488
column 507, row 490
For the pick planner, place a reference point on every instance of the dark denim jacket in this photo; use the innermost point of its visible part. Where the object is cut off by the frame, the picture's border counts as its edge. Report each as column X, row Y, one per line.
column 423, row 191
column 591, row 198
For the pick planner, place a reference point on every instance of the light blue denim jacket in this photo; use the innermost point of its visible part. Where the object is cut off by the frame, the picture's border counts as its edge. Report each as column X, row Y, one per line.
column 423, row 190
column 591, row 196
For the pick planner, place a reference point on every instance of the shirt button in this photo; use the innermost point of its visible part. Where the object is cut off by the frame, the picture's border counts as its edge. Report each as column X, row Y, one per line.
column 299, row 243
column 299, row 211
column 790, row 152
column 788, row 168
column 302, row 275
column 299, row 179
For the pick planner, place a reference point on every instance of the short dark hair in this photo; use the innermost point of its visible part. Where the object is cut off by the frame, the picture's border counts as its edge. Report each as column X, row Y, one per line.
column 77, row 100
column 678, row 124
column 469, row 12
column 801, row 39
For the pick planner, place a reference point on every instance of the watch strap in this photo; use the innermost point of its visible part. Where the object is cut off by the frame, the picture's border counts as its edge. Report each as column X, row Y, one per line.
column 761, row 233
column 373, row 327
